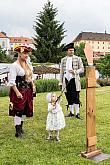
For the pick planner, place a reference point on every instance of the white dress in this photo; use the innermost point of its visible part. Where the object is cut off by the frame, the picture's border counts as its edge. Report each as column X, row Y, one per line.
column 55, row 118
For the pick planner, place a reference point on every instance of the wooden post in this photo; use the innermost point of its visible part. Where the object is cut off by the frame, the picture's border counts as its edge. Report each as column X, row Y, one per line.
column 91, row 139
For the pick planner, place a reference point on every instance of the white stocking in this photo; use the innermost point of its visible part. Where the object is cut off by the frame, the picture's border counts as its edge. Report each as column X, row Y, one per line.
column 71, row 108
column 17, row 120
column 77, row 108
column 57, row 134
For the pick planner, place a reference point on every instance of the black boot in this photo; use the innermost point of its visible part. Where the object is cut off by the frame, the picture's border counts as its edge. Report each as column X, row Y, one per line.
column 18, row 131
column 70, row 115
column 78, row 116
column 22, row 131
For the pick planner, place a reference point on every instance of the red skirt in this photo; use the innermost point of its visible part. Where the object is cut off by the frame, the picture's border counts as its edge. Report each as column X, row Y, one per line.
column 25, row 105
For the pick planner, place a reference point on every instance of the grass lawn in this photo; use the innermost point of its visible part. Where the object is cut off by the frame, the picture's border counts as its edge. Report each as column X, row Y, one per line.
column 33, row 149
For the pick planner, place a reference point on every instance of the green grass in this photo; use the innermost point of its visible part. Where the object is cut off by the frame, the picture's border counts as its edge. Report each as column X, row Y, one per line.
column 33, row 149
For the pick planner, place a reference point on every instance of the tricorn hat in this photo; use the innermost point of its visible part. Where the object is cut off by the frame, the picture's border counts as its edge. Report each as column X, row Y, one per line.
column 22, row 49
column 68, row 46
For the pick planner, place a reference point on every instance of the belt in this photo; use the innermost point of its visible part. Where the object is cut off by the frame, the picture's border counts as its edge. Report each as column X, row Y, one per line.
column 27, row 85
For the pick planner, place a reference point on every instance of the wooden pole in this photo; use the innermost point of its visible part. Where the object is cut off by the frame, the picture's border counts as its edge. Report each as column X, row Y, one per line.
column 91, row 139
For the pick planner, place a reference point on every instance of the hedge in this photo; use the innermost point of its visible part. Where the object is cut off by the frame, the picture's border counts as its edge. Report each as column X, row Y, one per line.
column 42, row 85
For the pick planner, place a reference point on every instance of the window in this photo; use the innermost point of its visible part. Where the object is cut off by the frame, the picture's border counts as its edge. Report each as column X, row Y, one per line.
column 3, row 44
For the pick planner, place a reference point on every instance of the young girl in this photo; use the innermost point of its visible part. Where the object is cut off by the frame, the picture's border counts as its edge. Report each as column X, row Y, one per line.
column 55, row 118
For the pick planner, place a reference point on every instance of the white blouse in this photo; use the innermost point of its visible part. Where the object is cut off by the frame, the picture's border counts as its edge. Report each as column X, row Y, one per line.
column 15, row 70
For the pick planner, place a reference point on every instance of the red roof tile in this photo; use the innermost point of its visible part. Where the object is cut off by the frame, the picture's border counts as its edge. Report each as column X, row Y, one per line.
column 21, row 40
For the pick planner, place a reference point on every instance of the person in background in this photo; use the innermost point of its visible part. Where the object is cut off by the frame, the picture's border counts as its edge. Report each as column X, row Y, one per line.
column 71, row 67
column 21, row 89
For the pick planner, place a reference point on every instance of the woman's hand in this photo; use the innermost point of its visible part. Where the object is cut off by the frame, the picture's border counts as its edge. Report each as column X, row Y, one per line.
column 34, row 89
column 19, row 95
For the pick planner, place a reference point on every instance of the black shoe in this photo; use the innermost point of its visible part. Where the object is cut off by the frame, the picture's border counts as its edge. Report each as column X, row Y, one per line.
column 49, row 138
column 18, row 133
column 57, row 139
column 22, row 131
column 78, row 116
column 70, row 115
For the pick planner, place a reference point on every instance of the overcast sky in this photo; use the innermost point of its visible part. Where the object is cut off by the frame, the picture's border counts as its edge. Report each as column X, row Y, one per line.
column 17, row 16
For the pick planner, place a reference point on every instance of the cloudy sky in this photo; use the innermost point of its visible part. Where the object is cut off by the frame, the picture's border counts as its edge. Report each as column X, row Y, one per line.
column 17, row 16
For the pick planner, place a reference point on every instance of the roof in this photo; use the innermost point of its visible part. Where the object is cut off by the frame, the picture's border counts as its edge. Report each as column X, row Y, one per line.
column 2, row 35
column 42, row 69
column 92, row 36
column 21, row 40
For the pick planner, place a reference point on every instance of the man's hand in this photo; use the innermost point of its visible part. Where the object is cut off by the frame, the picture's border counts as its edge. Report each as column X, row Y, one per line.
column 72, row 71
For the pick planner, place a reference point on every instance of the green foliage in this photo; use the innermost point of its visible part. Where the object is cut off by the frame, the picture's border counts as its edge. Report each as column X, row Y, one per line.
column 103, row 65
column 83, row 82
column 79, row 51
column 46, row 85
column 43, row 85
column 34, row 149
column 4, row 57
column 4, row 91
column 48, row 35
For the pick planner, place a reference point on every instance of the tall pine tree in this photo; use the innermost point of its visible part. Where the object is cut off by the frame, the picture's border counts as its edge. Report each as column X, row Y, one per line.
column 48, row 35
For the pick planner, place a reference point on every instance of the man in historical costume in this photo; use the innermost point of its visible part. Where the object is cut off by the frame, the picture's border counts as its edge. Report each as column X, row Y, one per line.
column 21, row 89
column 71, row 67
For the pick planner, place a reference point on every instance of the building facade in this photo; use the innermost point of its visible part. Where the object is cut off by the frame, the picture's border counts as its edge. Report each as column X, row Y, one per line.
column 21, row 41
column 100, row 42
column 4, row 42
column 9, row 43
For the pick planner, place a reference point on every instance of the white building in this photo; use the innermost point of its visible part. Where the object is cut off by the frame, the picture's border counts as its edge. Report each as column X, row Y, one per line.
column 100, row 42
column 21, row 41
column 4, row 42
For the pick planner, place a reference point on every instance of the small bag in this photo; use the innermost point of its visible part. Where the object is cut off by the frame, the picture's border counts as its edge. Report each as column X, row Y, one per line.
column 11, row 111
column 34, row 94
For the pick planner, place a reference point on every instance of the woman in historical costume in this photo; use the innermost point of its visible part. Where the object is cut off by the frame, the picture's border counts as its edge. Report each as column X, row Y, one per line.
column 21, row 89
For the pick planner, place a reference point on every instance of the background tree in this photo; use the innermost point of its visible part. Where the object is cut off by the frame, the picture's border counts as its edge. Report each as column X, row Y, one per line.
column 4, row 57
column 48, row 35
column 103, row 65
column 79, row 51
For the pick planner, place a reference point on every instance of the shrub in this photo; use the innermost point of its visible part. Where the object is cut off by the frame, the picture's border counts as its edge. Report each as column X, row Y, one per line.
column 43, row 85
column 4, row 91
column 104, row 81
column 83, row 82
column 47, row 85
